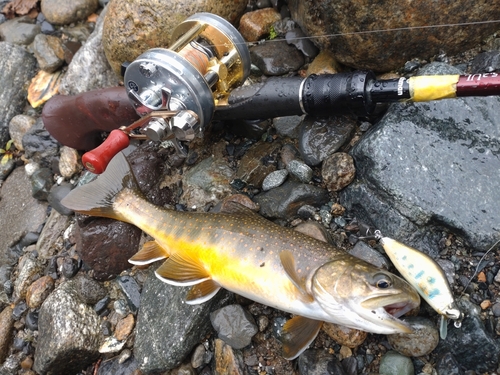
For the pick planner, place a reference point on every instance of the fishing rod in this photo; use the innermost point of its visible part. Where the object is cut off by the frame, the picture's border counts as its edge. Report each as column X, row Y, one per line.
column 173, row 94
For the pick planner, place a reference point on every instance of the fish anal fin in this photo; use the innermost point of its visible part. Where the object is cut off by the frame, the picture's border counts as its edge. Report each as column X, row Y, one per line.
column 298, row 333
column 182, row 270
column 202, row 292
column 288, row 263
column 151, row 252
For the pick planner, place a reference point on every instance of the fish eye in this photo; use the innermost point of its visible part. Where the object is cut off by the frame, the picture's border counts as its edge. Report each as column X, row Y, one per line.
column 382, row 281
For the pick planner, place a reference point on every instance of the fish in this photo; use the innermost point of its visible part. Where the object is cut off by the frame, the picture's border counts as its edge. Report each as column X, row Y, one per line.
column 241, row 251
column 427, row 277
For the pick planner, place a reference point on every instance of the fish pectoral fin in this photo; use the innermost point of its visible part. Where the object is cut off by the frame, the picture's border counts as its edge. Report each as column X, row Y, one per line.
column 288, row 263
column 202, row 292
column 182, row 270
column 151, row 252
column 298, row 333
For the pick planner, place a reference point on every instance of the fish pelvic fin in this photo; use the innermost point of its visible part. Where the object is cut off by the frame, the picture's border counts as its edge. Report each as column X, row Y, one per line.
column 182, row 270
column 288, row 263
column 151, row 252
column 202, row 292
column 298, row 333
column 97, row 197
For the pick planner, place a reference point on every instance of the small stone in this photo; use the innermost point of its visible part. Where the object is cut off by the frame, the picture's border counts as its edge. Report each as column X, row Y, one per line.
column 19, row 310
column 65, row 13
column 257, row 24
column 300, row 170
column 338, row 171
column 56, row 194
column 69, row 163
column 49, row 52
column 226, row 362
column 38, row 291
column 345, row 336
column 234, row 325
column 131, row 290
column 27, row 363
column 41, row 182
column 274, row 179
column 495, row 309
column 70, row 267
column 124, row 327
column 313, row 229
column 324, row 63
column 198, row 357
column 393, row 363
column 485, row 304
column 369, row 254
column 18, row 127
column 6, row 326
column 345, row 351
column 32, row 320
column 422, row 341
column 481, row 277
column 337, row 209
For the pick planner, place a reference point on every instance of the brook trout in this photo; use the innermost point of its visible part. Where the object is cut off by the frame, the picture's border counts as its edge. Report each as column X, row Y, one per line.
column 240, row 251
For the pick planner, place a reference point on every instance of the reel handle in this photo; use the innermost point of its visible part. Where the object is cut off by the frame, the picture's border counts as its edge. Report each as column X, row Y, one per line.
column 98, row 159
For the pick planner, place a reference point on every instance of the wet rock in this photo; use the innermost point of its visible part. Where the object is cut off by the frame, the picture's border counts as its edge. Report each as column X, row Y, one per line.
column 318, row 362
column 124, row 327
column 227, row 360
column 274, row 179
column 384, row 51
column 32, row 320
column 199, row 356
column 58, row 192
column 89, row 69
column 422, row 341
column 29, row 267
column 133, row 26
column 69, row 162
column 39, row 146
column 49, row 52
column 21, row 213
column 234, row 325
column 348, row 337
column 131, row 290
column 300, row 171
column 70, row 267
column 321, row 137
column 6, row 327
column 313, row 229
column 338, row 171
column 38, row 291
column 370, row 255
column 168, row 328
column 486, row 62
column 19, row 30
column 448, row 364
column 207, row 182
column 43, row 87
column 393, row 363
column 410, row 172
column 106, row 245
column 17, row 67
column 297, row 38
column 115, row 367
column 284, row 201
column 481, row 351
column 65, row 13
column 324, row 63
column 50, row 241
column 258, row 162
column 19, row 309
column 257, row 24
column 288, row 126
column 18, row 127
column 68, row 329
column 276, row 58
column 41, row 183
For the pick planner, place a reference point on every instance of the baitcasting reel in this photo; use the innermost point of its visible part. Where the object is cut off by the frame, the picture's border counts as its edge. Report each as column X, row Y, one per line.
column 176, row 90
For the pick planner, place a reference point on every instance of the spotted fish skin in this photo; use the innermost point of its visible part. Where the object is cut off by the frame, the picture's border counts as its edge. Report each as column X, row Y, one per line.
column 242, row 252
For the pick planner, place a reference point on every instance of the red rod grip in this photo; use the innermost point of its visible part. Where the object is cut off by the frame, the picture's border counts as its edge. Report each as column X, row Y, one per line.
column 98, row 159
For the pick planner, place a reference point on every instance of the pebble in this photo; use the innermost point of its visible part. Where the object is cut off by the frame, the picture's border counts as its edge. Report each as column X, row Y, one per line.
column 300, row 171
column 422, row 341
column 297, row 38
column 6, row 326
column 131, row 290
column 274, row 179
column 70, row 267
column 257, row 24
column 19, row 30
column 370, row 255
column 276, row 58
column 50, row 242
column 38, row 291
column 226, row 361
column 49, row 52
column 252, row 169
column 348, row 337
column 32, row 320
column 338, row 171
column 18, row 127
column 124, row 327
column 288, row 126
column 313, row 229
column 69, row 162
column 58, row 192
column 65, row 13
column 234, row 325
column 393, row 363
column 319, row 362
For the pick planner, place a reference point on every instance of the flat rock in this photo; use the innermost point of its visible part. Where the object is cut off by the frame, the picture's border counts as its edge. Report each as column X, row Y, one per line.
column 431, row 165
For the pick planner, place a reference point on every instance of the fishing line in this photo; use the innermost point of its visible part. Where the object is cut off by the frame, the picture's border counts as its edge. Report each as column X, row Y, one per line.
column 364, row 32
column 478, row 265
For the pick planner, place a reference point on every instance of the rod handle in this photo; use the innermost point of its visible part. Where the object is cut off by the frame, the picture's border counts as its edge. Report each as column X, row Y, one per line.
column 98, row 159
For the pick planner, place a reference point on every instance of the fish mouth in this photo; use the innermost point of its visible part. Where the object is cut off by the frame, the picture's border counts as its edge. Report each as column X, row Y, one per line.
column 385, row 311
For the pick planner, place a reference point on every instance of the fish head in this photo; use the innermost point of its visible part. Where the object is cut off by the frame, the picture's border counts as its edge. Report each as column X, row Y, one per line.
column 361, row 296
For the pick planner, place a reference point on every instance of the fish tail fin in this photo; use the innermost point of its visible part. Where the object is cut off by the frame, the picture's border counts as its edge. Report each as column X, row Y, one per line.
column 97, row 197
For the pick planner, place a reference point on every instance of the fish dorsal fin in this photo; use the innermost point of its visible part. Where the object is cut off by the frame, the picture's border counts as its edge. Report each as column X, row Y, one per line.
column 298, row 333
column 151, row 252
column 288, row 263
column 202, row 292
column 182, row 270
